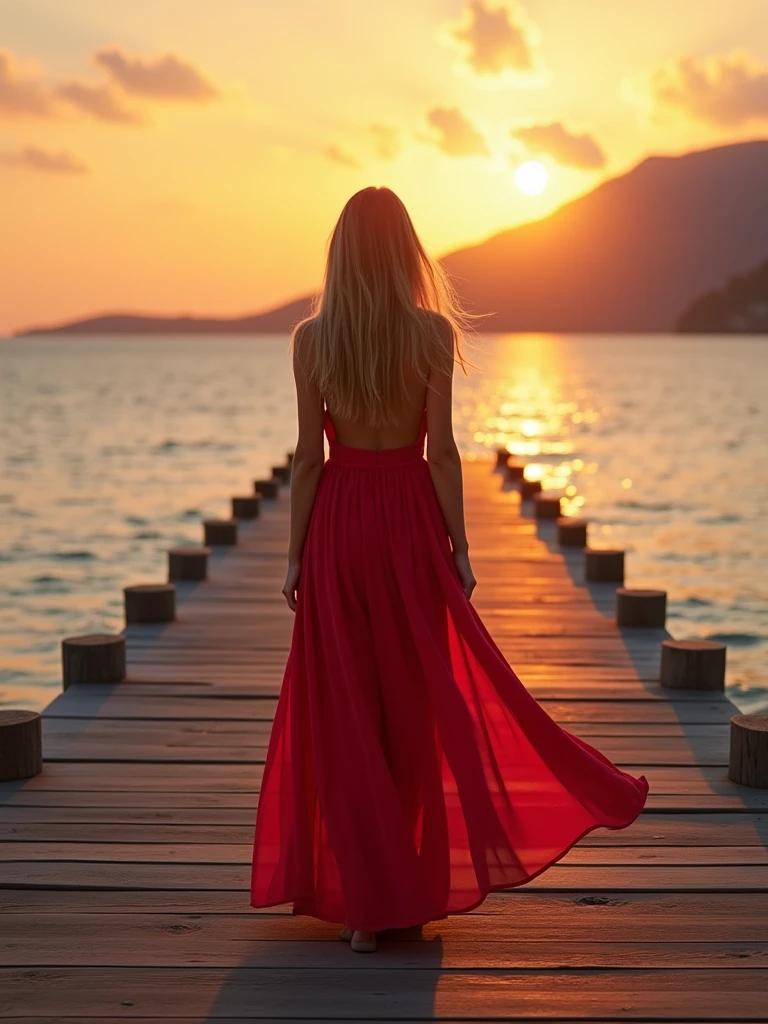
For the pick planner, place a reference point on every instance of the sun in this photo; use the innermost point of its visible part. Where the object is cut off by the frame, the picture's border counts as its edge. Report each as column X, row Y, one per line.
column 531, row 177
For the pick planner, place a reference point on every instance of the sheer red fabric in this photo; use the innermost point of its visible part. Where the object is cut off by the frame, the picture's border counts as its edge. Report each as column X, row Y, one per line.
column 409, row 772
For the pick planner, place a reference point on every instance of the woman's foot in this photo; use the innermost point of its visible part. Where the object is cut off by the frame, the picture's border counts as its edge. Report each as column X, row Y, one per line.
column 364, row 942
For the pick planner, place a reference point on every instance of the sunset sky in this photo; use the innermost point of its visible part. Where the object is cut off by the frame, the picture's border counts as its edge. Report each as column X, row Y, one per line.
column 191, row 156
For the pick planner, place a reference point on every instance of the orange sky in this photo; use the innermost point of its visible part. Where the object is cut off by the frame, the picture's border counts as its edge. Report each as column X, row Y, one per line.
column 178, row 156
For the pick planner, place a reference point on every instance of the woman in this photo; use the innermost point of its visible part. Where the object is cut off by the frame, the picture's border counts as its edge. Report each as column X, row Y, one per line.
column 409, row 772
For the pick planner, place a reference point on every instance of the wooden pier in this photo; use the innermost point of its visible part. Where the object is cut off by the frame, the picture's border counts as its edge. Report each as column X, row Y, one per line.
column 125, row 863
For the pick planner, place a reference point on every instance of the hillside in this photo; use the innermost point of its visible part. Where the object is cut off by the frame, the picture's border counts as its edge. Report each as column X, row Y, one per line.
column 739, row 307
column 627, row 257
column 630, row 255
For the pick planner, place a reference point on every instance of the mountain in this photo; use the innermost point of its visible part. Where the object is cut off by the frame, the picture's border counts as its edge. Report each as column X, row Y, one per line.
column 273, row 321
column 739, row 307
column 626, row 257
column 630, row 255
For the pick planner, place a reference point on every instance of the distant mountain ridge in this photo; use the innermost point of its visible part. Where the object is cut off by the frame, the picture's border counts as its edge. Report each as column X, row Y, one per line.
column 739, row 307
column 627, row 257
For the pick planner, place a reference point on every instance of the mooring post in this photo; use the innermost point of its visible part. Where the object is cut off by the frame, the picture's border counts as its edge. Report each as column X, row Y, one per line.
column 188, row 564
column 219, row 532
column 246, row 506
column 529, row 489
column 150, row 602
column 603, row 565
column 93, row 658
column 514, row 472
column 502, row 457
column 21, row 745
column 693, row 665
column 643, row 608
column 547, row 506
column 571, row 532
column 748, row 759
column 269, row 489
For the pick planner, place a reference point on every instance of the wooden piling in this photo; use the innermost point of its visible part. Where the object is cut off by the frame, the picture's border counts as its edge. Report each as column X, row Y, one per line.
column 571, row 532
column 529, row 489
column 603, row 565
column 642, row 608
column 188, row 564
column 502, row 457
column 246, row 506
column 514, row 472
column 93, row 658
column 268, row 489
column 693, row 665
column 281, row 473
column 547, row 506
column 219, row 532
column 150, row 602
column 748, row 758
column 21, row 745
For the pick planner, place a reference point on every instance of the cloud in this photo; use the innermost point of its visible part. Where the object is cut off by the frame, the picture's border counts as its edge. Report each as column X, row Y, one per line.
column 725, row 91
column 164, row 78
column 36, row 159
column 566, row 147
column 100, row 101
column 388, row 140
column 497, row 38
column 340, row 156
column 22, row 95
column 457, row 135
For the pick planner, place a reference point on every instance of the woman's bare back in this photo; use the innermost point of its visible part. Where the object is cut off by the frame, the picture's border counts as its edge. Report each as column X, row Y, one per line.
column 404, row 431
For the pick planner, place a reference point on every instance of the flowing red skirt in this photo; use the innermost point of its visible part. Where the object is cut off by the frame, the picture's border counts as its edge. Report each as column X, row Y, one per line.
column 409, row 772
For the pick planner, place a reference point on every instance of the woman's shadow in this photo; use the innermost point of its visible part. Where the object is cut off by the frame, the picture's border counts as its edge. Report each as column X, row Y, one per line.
column 310, row 973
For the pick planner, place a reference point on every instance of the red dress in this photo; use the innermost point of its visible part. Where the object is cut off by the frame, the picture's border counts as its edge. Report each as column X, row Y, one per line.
column 409, row 772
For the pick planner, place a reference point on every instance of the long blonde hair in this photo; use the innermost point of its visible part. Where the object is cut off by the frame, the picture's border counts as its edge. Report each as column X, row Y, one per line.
column 375, row 317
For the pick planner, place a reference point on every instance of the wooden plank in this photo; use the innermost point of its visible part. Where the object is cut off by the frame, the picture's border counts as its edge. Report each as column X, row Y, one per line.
column 373, row 993
column 159, row 940
column 232, row 825
column 97, row 874
column 605, row 916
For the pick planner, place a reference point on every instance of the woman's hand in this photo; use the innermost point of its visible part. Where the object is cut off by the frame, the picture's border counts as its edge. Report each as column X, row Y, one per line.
column 291, row 584
column 467, row 577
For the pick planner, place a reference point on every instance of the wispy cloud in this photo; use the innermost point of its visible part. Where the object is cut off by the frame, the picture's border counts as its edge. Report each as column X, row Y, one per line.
column 36, row 159
column 725, row 91
column 387, row 139
column 497, row 37
column 25, row 94
column 341, row 156
column 100, row 102
column 456, row 135
column 567, row 147
column 22, row 94
column 160, row 78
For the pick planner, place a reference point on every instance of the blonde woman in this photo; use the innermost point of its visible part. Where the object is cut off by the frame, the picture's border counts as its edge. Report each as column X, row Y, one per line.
column 409, row 772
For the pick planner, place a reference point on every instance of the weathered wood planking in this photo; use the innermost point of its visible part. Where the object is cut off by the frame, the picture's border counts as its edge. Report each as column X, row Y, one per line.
column 124, row 866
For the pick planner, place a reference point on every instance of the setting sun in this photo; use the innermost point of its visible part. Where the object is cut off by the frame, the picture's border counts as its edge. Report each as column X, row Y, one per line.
column 531, row 177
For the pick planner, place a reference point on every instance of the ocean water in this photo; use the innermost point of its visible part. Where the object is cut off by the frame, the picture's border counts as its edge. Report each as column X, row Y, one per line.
column 113, row 449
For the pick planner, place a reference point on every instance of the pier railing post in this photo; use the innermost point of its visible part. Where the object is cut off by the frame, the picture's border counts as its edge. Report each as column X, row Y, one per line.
column 93, row 658
column 693, row 665
column 21, row 745
column 748, row 759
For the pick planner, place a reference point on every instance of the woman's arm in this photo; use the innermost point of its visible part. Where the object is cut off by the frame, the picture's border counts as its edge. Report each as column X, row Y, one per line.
column 445, row 464
column 307, row 466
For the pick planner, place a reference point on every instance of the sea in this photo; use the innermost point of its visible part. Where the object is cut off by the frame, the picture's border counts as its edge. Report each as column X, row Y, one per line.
column 114, row 448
